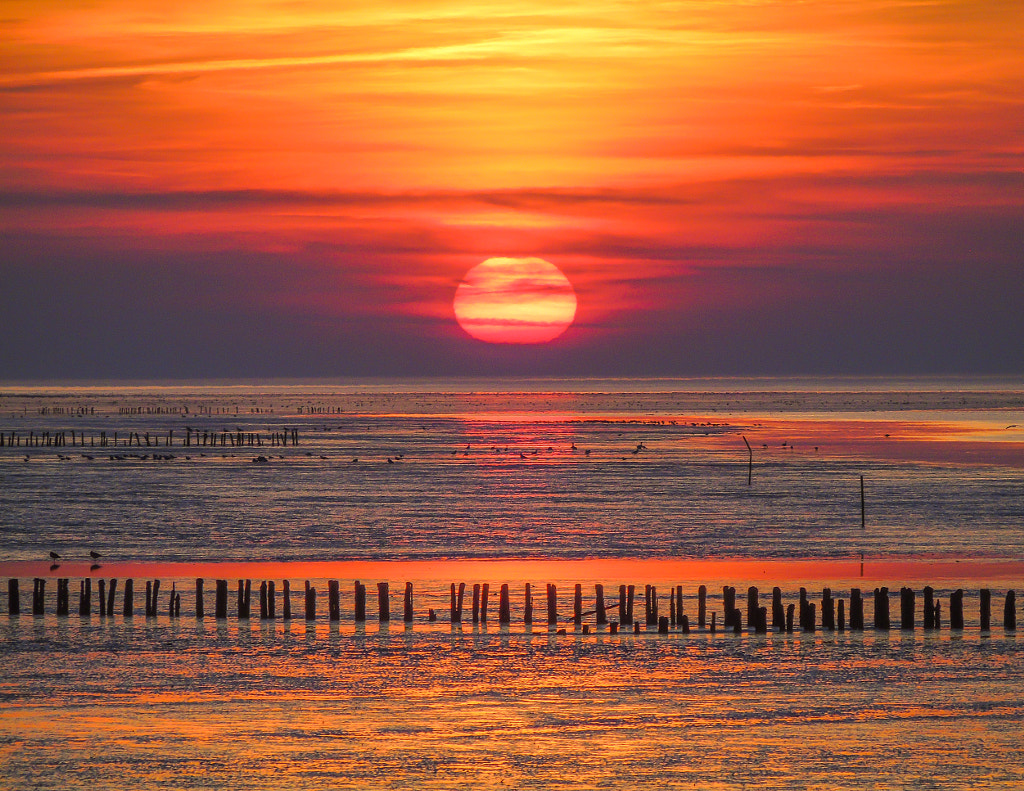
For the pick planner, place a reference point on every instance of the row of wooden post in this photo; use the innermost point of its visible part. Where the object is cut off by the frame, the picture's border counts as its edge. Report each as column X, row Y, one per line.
column 833, row 615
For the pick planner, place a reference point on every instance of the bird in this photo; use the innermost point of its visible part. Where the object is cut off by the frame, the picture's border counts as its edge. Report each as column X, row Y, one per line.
column 54, row 556
column 94, row 554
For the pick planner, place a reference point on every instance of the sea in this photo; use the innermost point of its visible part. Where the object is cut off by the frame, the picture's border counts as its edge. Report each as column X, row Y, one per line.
column 666, row 485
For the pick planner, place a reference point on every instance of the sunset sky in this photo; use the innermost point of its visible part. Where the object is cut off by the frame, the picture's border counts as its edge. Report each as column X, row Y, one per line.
column 270, row 189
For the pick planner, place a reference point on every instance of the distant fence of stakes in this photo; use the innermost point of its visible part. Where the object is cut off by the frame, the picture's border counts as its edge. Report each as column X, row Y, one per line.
column 190, row 438
column 663, row 613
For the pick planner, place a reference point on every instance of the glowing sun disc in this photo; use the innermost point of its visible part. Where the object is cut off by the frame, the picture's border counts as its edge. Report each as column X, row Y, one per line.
column 515, row 300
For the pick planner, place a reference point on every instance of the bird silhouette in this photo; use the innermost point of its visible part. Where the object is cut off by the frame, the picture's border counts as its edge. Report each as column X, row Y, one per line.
column 94, row 555
column 54, row 556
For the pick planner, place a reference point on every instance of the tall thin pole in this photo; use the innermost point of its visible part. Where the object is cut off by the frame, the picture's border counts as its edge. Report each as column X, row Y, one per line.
column 863, row 524
column 750, row 463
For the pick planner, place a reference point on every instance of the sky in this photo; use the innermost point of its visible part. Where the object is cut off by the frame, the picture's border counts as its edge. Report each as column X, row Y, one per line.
column 277, row 188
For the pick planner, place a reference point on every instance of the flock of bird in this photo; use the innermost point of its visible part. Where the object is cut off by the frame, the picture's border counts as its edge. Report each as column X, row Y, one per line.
column 55, row 559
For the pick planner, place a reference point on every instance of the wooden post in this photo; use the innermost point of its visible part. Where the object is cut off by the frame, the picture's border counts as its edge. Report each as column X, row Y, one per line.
column 271, row 601
column 129, row 599
column 110, row 598
column 929, row 608
column 85, row 598
column 828, row 610
column 174, row 594
column 577, row 604
column 455, row 617
column 62, row 607
column 240, row 607
column 149, row 599
column 679, row 604
column 841, row 615
column 856, row 610
column 663, row 625
column 761, row 626
column 778, row 613
column 528, row 606
column 789, row 618
column 750, row 462
column 882, row 621
column 753, row 605
column 264, row 613
column 956, row 610
column 286, row 593
column 310, row 602
column 650, row 605
column 623, row 612
column 630, row 594
column 101, row 585
column 552, row 605
column 360, row 607
column 728, row 604
column 461, row 598
column 476, row 602
column 985, row 603
column 1010, row 612
column 221, row 601
column 907, row 609
column 407, row 609
column 38, row 590
column 383, row 603
column 13, row 598
column 333, row 601
column 602, row 614
column 199, row 599
column 504, row 609
column 684, row 624
column 702, row 606
column 485, row 590
column 671, row 608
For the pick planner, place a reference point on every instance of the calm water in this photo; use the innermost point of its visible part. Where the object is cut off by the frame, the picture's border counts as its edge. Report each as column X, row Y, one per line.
column 621, row 469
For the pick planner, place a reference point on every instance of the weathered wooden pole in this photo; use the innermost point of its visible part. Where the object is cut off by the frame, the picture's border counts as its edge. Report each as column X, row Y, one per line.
column 240, row 605
column 286, row 594
column 679, row 604
column 220, row 601
column 907, row 609
column 128, row 611
column 602, row 614
column 360, row 606
column 62, row 599
column 38, row 592
column 149, row 599
column 110, row 598
column 333, row 601
column 504, row 607
column 13, row 598
column 101, row 594
column 577, row 604
column 199, row 599
column 956, row 609
column 761, row 626
column 623, row 611
column 264, row 614
column 461, row 599
column 828, row 610
column 856, row 610
column 383, row 602
column 753, row 605
column 310, row 602
column 1010, row 612
column 985, row 603
column 671, row 608
column 778, row 613
column 407, row 604
column 552, row 605
column 630, row 595
column 712, row 627
column 455, row 615
column 271, row 601
column 929, row 608
column 684, row 624
column 85, row 598
column 476, row 602
column 882, row 619
column 528, row 606
column 841, row 615
column 812, row 622
column 663, row 625
column 702, row 606
column 484, row 592
column 750, row 462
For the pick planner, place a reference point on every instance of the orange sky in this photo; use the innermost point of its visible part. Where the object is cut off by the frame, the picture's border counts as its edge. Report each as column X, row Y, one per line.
column 847, row 176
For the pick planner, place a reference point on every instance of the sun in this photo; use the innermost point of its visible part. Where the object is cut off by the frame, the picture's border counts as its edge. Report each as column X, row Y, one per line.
column 515, row 300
